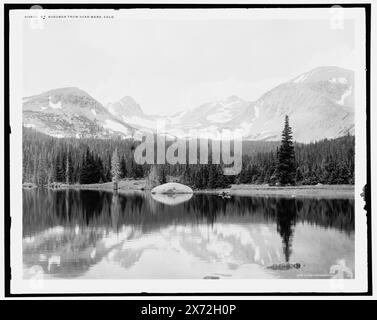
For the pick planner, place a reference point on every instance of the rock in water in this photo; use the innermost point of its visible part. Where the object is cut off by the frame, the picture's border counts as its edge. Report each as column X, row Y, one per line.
column 171, row 188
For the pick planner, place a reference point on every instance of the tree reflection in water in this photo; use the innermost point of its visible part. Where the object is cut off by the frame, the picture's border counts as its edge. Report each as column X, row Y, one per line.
column 99, row 212
column 286, row 213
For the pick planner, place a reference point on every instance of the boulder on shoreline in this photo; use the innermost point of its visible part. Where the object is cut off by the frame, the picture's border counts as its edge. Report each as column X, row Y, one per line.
column 172, row 188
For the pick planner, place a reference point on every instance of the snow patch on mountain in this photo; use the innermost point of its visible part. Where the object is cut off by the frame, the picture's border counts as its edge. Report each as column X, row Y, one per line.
column 141, row 122
column 52, row 105
column 338, row 80
column 257, row 109
column 300, row 78
column 245, row 127
column 177, row 117
column 346, row 94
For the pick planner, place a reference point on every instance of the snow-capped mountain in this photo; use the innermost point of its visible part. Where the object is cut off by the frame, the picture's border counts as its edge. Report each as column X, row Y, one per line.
column 209, row 119
column 129, row 111
column 71, row 112
column 125, row 107
column 206, row 120
column 319, row 103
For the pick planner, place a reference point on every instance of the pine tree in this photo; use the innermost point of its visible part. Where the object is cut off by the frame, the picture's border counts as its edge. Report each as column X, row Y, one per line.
column 137, row 171
column 91, row 169
column 344, row 175
column 60, row 167
column 220, row 181
column 286, row 167
column 107, row 168
column 98, row 175
column 68, row 169
column 299, row 176
column 250, row 174
column 212, row 176
column 85, row 172
column 35, row 171
column 153, row 178
column 187, row 175
column 43, row 170
column 242, row 177
column 115, row 167
column 123, row 168
column 161, row 175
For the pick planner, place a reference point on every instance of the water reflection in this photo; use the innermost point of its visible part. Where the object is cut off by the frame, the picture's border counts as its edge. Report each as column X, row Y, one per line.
column 95, row 234
column 286, row 214
column 171, row 199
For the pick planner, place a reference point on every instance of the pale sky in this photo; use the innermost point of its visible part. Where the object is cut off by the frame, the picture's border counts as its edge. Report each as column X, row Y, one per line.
column 170, row 65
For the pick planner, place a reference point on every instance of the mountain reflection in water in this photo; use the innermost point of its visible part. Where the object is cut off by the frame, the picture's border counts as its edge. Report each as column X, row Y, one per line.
column 95, row 234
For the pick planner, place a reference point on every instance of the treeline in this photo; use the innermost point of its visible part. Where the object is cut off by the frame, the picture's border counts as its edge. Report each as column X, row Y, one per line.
column 326, row 162
column 47, row 159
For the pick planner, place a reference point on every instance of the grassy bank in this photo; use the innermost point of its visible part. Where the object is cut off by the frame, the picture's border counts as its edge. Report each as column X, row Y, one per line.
column 124, row 185
column 323, row 191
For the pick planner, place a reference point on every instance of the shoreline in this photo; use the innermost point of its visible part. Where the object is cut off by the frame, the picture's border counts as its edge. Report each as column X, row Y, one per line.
column 320, row 191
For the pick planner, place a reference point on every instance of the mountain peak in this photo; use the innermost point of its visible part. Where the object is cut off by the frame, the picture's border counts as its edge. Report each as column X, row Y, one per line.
column 126, row 106
column 60, row 91
column 325, row 73
column 68, row 91
column 232, row 99
column 128, row 100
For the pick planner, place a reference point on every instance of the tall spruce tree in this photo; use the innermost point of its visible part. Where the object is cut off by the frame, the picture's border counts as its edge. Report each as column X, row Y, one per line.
column 286, row 166
column 115, row 167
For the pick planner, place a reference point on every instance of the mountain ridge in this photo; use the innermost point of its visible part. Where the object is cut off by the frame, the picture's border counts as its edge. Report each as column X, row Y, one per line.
column 319, row 103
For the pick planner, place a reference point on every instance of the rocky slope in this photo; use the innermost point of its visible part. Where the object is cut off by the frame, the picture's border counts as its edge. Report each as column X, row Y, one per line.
column 71, row 112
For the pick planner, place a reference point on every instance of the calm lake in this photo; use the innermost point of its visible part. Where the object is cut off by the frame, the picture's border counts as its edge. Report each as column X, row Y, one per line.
column 95, row 234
